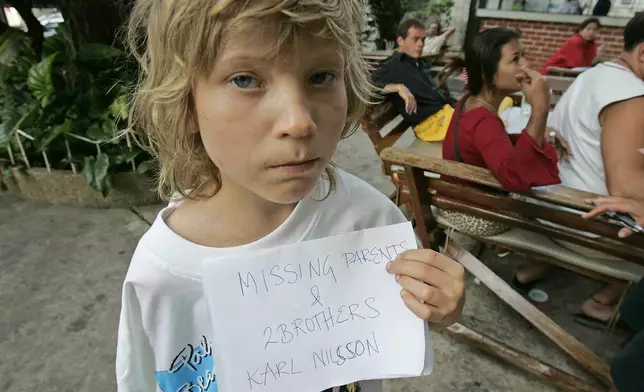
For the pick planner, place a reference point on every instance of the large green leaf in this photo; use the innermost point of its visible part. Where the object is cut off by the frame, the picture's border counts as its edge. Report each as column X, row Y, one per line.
column 101, row 177
column 88, row 171
column 39, row 80
column 53, row 132
column 145, row 167
column 61, row 43
column 118, row 108
column 17, row 120
column 98, row 52
column 8, row 128
column 96, row 173
column 117, row 159
column 103, row 131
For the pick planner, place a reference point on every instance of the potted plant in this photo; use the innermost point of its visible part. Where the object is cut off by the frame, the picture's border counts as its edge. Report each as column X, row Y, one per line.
column 60, row 118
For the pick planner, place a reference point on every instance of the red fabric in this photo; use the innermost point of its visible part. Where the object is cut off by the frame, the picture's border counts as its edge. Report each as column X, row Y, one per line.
column 576, row 52
column 517, row 161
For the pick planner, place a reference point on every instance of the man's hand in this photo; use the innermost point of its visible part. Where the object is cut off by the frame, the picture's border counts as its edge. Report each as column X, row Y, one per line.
column 433, row 285
column 618, row 204
column 408, row 97
column 405, row 94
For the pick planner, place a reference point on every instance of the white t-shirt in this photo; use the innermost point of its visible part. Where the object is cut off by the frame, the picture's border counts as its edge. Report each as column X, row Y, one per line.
column 576, row 117
column 164, row 332
column 433, row 45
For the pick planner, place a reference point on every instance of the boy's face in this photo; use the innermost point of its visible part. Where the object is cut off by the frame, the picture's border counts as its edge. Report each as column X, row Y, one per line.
column 271, row 123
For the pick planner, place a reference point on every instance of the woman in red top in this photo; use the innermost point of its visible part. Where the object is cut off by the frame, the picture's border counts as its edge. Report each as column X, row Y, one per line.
column 496, row 68
column 579, row 51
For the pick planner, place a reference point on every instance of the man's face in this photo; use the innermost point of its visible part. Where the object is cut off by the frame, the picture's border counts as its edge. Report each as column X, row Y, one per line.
column 271, row 124
column 412, row 46
column 433, row 30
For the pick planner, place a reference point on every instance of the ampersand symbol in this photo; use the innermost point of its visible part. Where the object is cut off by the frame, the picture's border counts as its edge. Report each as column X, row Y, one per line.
column 315, row 292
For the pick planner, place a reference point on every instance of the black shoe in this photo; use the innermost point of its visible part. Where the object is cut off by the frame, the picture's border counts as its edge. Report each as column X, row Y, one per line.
column 523, row 288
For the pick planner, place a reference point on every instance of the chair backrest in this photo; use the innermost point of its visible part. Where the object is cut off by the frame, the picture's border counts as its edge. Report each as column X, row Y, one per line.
column 558, row 86
column 482, row 195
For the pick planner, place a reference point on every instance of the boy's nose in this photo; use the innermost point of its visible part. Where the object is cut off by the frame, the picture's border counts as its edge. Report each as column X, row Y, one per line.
column 294, row 119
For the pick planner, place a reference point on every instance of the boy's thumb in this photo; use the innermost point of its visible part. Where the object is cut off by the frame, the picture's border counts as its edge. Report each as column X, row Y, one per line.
column 641, row 150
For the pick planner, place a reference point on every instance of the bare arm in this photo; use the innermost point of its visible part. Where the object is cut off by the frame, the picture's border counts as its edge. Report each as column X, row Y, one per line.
column 392, row 88
column 622, row 136
column 448, row 32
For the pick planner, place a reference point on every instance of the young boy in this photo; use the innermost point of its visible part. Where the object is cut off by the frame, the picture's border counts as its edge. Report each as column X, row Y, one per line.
column 243, row 103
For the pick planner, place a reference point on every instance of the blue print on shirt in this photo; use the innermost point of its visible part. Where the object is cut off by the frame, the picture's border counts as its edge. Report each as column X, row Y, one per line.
column 192, row 370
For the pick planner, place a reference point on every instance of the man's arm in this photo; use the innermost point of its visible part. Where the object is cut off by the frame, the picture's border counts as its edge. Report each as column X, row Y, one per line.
column 448, row 32
column 621, row 138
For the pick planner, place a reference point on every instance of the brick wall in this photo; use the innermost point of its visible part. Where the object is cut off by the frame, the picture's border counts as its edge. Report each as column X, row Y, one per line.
column 542, row 39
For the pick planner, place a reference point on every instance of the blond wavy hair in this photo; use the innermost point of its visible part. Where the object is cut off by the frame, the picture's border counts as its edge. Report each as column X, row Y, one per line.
column 176, row 41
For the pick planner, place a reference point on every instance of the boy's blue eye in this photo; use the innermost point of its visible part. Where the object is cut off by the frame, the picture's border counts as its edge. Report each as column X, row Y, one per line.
column 321, row 78
column 245, row 81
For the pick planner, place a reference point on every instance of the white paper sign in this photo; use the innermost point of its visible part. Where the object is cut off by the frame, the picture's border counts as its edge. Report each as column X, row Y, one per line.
column 313, row 315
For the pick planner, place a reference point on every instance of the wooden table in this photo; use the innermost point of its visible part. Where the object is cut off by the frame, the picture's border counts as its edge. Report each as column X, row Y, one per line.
column 557, row 71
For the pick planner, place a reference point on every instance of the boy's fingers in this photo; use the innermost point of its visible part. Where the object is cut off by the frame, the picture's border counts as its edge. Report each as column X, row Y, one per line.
column 623, row 233
column 422, row 272
column 424, row 292
column 436, row 260
column 423, row 311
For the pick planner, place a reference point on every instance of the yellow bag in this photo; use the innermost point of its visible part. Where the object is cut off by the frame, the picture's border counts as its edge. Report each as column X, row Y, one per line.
column 434, row 128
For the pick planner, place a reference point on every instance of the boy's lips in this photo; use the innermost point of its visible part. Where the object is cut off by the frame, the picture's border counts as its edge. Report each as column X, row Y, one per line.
column 298, row 166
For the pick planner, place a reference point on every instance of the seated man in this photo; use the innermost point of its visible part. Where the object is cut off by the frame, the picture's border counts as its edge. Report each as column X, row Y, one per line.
column 436, row 39
column 602, row 118
column 407, row 81
column 627, row 377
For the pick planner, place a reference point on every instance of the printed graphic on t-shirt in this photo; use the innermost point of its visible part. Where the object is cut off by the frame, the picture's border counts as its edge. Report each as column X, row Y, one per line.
column 192, row 370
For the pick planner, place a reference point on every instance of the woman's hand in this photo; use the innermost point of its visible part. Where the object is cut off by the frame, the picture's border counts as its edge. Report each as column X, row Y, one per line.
column 561, row 144
column 433, row 285
column 535, row 88
column 629, row 206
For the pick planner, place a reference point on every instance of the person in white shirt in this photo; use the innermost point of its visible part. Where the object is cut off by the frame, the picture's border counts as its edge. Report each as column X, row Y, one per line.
column 435, row 39
column 243, row 104
column 601, row 116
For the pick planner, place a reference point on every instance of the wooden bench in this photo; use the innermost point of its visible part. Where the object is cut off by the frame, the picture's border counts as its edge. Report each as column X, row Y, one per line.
column 530, row 235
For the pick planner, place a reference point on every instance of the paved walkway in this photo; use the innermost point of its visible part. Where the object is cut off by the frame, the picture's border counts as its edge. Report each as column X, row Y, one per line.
column 62, row 270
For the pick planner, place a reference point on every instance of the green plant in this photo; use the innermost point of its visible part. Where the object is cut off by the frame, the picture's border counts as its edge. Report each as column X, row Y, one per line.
column 431, row 10
column 64, row 110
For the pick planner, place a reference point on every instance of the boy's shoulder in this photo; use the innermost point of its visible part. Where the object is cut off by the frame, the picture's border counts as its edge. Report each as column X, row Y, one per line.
column 358, row 190
column 356, row 204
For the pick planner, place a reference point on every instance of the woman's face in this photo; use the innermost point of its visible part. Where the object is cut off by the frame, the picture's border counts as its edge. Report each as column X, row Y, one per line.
column 589, row 33
column 512, row 59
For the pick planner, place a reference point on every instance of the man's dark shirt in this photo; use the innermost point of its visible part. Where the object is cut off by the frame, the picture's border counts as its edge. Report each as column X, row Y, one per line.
column 416, row 75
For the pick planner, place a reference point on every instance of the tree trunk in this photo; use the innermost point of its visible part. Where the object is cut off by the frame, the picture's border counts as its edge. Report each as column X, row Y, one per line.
column 96, row 21
column 33, row 25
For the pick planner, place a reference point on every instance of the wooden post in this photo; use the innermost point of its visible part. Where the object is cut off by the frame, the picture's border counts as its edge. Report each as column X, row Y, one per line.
column 585, row 357
column 529, row 364
column 418, row 192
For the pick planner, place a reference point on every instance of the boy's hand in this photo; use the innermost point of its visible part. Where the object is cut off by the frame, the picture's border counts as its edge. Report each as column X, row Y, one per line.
column 433, row 285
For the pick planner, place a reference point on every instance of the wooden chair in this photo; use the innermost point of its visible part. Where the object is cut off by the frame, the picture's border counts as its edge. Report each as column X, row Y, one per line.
column 558, row 86
column 483, row 197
